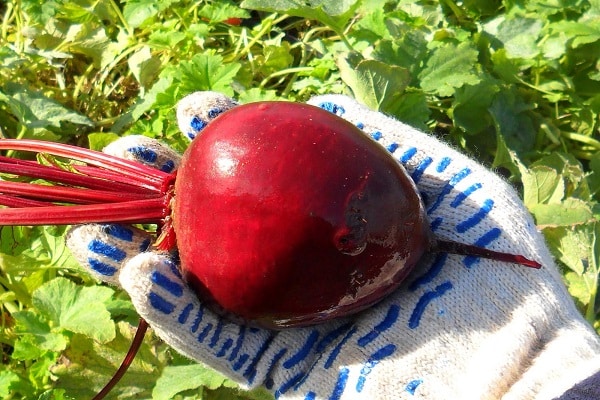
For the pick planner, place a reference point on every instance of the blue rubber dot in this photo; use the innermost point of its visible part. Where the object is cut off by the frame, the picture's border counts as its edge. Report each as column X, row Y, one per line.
column 143, row 153
column 214, row 112
column 197, row 124
column 332, row 108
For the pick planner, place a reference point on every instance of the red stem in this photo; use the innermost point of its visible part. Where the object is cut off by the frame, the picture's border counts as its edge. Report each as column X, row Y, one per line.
column 69, row 194
column 55, row 174
column 112, row 177
column 17, row 202
column 449, row 246
column 136, row 343
column 134, row 211
column 108, row 189
column 145, row 176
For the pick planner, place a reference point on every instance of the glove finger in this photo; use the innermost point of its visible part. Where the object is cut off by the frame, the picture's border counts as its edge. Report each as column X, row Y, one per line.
column 174, row 312
column 102, row 249
column 284, row 361
column 146, row 151
column 196, row 110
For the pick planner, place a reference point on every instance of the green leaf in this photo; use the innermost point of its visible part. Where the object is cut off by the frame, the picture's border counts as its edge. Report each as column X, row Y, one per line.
column 507, row 158
column 257, row 94
column 98, row 141
column 594, row 179
column 31, row 250
column 27, row 348
column 176, row 379
column 508, row 111
column 374, row 83
column 548, row 8
column 374, row 23
column 571, row 211
column 451, row 66
column 334, row 13
column 144, row 66
column 165, row 40
column 220, row 12
column 578, row 248
column 136, row 12
column 577, row 33
column 54, row 394
column 408, row 51
column 38, row 331
column 53, row 241
column 294, row 7
column 275, row 58
column 542, row 185
column 410, row 108
column 572, row 172
column 76, row 309
column 90, row 40
column 143, row 104
column 553, row 46
column 579, row 286
column 76, row 13
column 471, row 104
column 519, row 36
column 39, row 370
column 7, row 380
column 204, row 72
column 508, row 69
column 87, row 365
column 35, row 110
column 572, row 246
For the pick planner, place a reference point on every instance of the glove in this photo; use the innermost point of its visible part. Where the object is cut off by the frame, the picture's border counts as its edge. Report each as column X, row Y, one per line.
column 458, row 328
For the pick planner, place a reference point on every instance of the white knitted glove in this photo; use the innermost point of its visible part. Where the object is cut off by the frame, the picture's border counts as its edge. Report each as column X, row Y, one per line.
column 459, row 328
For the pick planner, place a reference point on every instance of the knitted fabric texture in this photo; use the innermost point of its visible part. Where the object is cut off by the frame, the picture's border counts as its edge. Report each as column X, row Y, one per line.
column 458, row 328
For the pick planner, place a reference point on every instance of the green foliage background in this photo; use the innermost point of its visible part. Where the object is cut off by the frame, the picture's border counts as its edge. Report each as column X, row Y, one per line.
column 514, row 83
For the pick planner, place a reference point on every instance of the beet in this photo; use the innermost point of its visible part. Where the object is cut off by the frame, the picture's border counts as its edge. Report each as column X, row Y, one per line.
column 292, row 216
column 284, row 214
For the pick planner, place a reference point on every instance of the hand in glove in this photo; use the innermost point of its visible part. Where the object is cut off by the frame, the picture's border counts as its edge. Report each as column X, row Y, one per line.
column 458, row 328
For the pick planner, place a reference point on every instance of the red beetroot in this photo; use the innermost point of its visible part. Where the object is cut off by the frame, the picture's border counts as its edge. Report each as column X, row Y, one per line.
column 292, row 216
column 284, row 214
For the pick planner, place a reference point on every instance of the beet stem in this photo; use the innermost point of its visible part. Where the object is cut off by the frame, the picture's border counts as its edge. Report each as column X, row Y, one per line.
column 114, row 178
column 471, row 250
column 109, row 181
column 136, row 343
column 17, row 202
column 134, row 211
column 143, row 174
column 69, row 194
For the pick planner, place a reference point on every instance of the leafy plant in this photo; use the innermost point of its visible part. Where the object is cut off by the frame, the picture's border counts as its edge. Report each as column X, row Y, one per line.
column 515, row 84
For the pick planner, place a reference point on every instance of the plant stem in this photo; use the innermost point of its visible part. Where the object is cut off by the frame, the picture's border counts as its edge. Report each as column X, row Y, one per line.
column 145, row 176
column 118, row 183
column 469, row 250
column 133, row 349
column 134, row 211
column 69, row 194
column 107, row 189
column 582, row 139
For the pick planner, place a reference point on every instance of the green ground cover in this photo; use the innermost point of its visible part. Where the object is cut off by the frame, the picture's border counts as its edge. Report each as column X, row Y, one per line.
column 516, row 84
